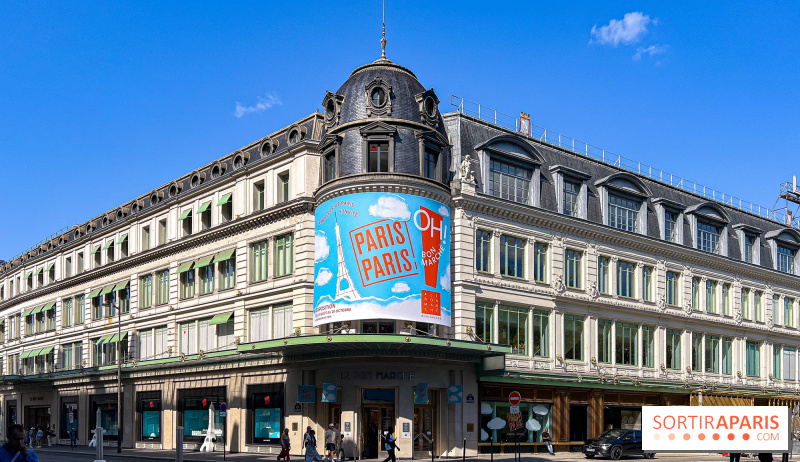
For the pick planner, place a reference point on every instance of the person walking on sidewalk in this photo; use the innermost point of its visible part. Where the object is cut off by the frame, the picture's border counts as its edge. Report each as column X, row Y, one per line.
column 735, row 456
column 390, row 445
column 285, row 445
column 311, row 447
column 330, row 442
column 14, row 450
column 548, row 441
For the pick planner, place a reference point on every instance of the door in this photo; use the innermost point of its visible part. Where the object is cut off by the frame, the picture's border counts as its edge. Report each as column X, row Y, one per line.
column 371, row 429
column 424, row 428
column 335, row 415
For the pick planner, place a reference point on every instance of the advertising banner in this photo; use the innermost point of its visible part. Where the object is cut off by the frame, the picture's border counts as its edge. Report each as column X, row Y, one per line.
column 382, row 256
column 306, row 393
column 329, row 393
column 715, row 429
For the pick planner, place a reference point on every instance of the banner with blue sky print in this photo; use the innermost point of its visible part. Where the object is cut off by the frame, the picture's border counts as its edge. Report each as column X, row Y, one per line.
column 382, row 256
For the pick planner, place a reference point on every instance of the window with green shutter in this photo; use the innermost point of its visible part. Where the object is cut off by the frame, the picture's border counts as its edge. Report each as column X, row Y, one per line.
column 260, row 263
column 283, row 255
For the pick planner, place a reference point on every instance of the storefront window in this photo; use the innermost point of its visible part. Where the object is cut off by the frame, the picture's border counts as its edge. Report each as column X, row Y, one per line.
column 266, row 408
column 194, row 405
column 107, row 404
column 149, row 407
column 69, row 419
column 513, row 329
column 377, row 327
column 515, row 428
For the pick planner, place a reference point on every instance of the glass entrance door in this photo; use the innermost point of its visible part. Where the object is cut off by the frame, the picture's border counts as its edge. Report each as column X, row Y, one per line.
column 424, row 428
column 378, row 406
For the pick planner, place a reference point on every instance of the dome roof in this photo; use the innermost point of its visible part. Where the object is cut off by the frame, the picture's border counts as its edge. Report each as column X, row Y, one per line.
column 404, row 87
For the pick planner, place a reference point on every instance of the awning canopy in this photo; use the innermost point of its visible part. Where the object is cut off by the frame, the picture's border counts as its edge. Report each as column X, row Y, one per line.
column 203, row 207
column 224, row 255
column 204, row 261
column 29, row 274
column 49, row 267
column 220, row 318
column 45, row 351
column 24, row 354
column 94, row 293
column 185, row 214
column 49, row 306
column 108, row 244
column 107, row 289
column 185, row 267
column 225, row 199
column 97, row 247
column 36, row 273
column 37, row 310
column 27, row 312
column 121, row 285
column 103, row 340
column 34, row 353
column 122, row 239
column 115, row 337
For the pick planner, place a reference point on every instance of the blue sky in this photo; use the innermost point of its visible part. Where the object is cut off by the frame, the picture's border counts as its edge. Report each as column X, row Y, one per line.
column 104, row 101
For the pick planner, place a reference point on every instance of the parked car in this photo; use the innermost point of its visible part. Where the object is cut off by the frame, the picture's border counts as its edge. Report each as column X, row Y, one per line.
column 616, row 443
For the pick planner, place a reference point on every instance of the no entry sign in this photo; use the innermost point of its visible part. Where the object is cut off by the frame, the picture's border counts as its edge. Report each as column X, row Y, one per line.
column 514, row 398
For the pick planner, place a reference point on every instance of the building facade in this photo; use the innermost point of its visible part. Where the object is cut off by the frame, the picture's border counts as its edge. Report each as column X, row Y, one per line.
column 471, row 261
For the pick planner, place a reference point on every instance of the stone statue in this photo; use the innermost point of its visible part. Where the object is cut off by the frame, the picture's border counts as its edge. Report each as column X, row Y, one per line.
column 465, row 171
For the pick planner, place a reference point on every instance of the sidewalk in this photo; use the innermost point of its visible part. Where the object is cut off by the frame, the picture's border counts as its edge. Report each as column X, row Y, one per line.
column 87, row 454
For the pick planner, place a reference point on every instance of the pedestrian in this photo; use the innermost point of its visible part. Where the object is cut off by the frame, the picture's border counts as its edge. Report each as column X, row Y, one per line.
column 14, row 450
column 72, row 438
column 285, row 445
column 305, row 439
column 735, row 456
column 340, row 449
column 30, row 434
column 389, row 445
column 330, row 442
column 39, row 436
column 764, row 457
column 311, row 447
column 51, row 434
column 548, row 441
column 785, row 457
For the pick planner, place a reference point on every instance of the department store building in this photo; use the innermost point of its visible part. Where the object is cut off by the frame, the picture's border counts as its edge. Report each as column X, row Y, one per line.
column 384, row 265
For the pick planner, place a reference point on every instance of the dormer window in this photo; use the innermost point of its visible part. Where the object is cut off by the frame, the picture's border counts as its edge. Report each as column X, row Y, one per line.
column 430, row 163
column 509, row 181
column 378, row 147
column 378, row 157
column 786, row 257
column 784, row 245
column 571, row 191
column 708, row 237
column 671, row 225
column 623, row 198
column 378, row 97
column 379, row 102
column 329, row 147
column 623, row 212
column 708, row 222
column 510, row 169
column 749, row 248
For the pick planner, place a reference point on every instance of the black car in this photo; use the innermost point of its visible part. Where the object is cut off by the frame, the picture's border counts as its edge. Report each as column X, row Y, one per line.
column 616, row 443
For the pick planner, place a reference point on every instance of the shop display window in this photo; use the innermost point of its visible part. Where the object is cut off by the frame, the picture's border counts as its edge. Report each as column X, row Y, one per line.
column 149, row 408
column 193, row 410
column 266, row 408
column 525, row 426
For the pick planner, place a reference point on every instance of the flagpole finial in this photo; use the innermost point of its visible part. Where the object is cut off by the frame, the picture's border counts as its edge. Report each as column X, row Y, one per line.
column 383, row 36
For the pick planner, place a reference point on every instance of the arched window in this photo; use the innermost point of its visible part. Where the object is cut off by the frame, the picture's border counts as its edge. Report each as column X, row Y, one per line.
column 623, row 200
column 510, row 170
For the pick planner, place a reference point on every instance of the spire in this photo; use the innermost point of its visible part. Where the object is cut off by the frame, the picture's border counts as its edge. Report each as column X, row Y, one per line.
column 383, row 37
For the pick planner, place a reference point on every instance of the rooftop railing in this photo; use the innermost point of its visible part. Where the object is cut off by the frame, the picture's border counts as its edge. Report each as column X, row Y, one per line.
column 587, row 150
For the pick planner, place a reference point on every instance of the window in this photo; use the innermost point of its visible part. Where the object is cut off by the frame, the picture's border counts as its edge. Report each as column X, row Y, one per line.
column 429, row 165
column 711, row 297
column 602, row 274
column 79, row 263
column 14, row 330
column 573, row 268
column 671, row 226
column 162, row 288
column 80, row 307
column 749, row 245
column 727, row 355
column 97, row 257
column 188, row 338
column 71, row 355
column 377, row 327
column 697, row 352
column 776, row 361
column 726, row 300
column 571, row 193
column 604, row 333
column 757, row 315
column 483, row 251
column 67, row 314
column 260, row 262
column 123, row 246
column 109, row 251
column 789, row 364
column 541, row 335
column 378, row 157
column 708, row 237
column 696, row 294
column 484, row 321
column 712, row 354
column 746, row 304
column 573, row 337
column 227, row 272
column 753, row 353
column 258, row 195
column 145, row 238
column 672, row 288
column 205, row 215
column 67, row 269
column 329, row 166
column 186, row 222
column 627, row 344
column 282, row 321
column 540, row 262
column 206, row 278
column 283, row 187
column 623, row 212
column 146, row 291
column 162, row 231
column 788, row 312
column 648, row 346
column 512, row 257
column 513, row 328
column 146, row 344
column 625, row 273
column 647, row 283
column 283, row 255
column 259, row 324
column 187, row 280
column 673, row 344
column 785, row 260
column 225, row 205
column 508, row 181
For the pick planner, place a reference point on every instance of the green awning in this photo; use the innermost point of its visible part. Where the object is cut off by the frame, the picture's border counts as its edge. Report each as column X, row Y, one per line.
column 49, row 267
column 94, row 293
column 24, row 355
column 121, row 285
column 36, row 273
column 49, row 306
column 220, row 318
column 27, row 312
column 45, row 351
column 204, row 261
column 103, row 340
column 108, row 244
column 122, row 239
column 204, row 207
column 96, row 249
column 225, row 255
column 185, row 214
column 30, row 273
column 185, row 267
column 107, row 289
column 37, row 310
column 34, row 353
column 115, row 338
column 225, row 199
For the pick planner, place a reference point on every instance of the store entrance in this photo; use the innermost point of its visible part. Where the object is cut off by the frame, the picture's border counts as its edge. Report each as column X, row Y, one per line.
column 38, row 417
column 424, row 428
column 378, row 411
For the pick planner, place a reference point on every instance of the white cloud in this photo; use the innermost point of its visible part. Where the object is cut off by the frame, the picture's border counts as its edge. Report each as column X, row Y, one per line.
column 486, row 408
column 321, row 247
column 261, row 105
column 628, row 30
column 496, row 424
column 400, row 288
column 652, row 50
column 484, row 435
column 444, row 281
column 324, row 276
column 390, row 206
column 444, row 211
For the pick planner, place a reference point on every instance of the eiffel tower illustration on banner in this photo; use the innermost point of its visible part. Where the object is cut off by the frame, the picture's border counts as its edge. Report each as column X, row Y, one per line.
column 348, row 293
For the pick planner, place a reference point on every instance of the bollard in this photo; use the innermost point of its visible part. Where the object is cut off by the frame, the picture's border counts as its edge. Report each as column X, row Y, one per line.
column 491, row 447
column 431, row 449
column 179, row 445
column 99, row 445
column 464, row 451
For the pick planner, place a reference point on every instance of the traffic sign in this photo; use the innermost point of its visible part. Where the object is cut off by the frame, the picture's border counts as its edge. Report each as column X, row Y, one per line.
column 223, row 407
column 514, row 398
column 514, row 410
column 223, row 414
